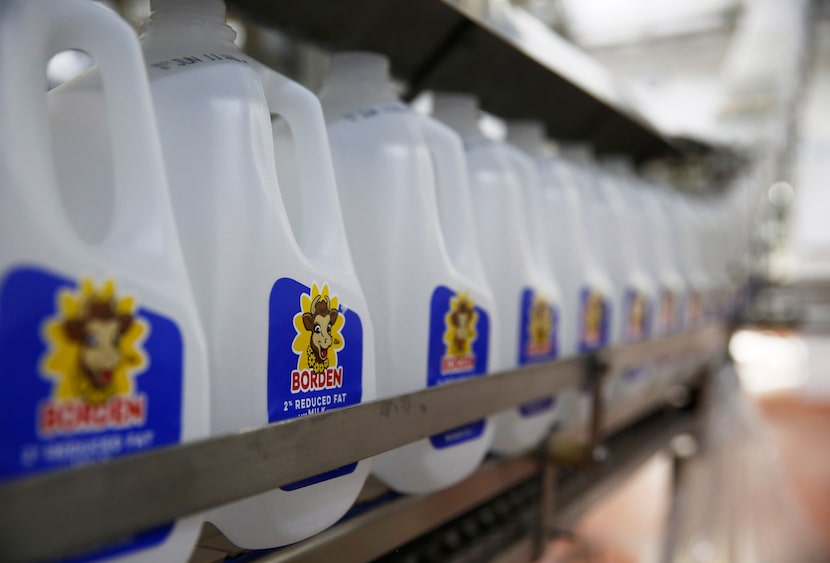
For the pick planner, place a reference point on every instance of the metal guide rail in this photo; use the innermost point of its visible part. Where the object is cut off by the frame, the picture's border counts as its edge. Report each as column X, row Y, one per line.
column 515, row 66
column 497, row 512
column 67, row 512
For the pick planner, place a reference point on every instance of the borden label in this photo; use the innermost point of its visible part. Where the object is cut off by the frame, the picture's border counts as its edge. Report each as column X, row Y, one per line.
column 315, row 357
column 636, row 315
column 458, row 337
column 594, row 320
column 89, row 375
column 538, row 340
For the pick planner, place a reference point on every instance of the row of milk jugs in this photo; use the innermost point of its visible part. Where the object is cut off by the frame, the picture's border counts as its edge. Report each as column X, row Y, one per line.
column 160, row 284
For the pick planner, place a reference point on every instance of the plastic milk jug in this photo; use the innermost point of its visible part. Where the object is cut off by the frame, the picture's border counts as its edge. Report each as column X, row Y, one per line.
column 598, row 305
column 653, row 228
column 100, row 344
column 285, row 318
column 631, row 259
column 558, row 229
column 594, row 297
column 686, row 253
column 586, row 308
column 406, row 206
column 502, row 181
column 690, row 236
column 674, row 229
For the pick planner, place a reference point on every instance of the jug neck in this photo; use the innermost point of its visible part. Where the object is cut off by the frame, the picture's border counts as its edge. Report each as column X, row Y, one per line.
column 578, row 153
column 356, row 81
column 458, row 111
column 528, row 136
column 183, row 20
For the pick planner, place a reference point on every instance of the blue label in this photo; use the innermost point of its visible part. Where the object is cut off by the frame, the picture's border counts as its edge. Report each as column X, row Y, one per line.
column 538, row 329
column 89, row 375
column 315, row 358
column 538, row 340
column 594, row 317
column 458, row 337
column 636, row 316
column 537, row 407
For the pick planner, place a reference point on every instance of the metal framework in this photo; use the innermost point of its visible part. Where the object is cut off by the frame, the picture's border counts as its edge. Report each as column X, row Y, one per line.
column 65, row 512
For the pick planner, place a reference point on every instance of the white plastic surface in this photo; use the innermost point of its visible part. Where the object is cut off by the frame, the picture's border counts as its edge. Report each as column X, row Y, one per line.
column 397, row 194
column 501, row 180
column 578, row 268
column 139, row 249
column 214, row 105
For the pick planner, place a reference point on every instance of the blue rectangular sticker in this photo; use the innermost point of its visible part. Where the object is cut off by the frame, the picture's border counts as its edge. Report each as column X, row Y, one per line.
column 594, row 320
column 458, row 339
column 94, row 376
column 636, row 315
column 538, row 340
column 315, row 358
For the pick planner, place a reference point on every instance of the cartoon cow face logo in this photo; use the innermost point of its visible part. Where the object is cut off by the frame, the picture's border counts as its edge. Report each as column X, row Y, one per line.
column 319, row 321
column 593, row 317
column 541, row 323
column 318, row 326
column 460, row 321
column 95, row 344
column 98, row 333
column 637, row 316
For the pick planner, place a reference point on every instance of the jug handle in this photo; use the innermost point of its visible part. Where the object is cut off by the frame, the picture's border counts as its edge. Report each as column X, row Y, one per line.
column 112, row 44
column 329, row 252
column 454, row 198
column 530, row 199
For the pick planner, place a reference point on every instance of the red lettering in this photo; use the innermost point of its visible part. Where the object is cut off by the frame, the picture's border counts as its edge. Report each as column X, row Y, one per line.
column 453, row 364
column 135, row 408
column 66, row 417
column 307, row 380
column 47, row 418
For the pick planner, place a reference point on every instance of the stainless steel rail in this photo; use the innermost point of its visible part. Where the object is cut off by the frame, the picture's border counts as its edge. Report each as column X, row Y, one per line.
column 67, row 512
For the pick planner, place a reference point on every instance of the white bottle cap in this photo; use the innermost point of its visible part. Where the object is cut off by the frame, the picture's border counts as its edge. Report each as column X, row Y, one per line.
column 188, row 9
column 172, row 15
column 359, row 65
column 459, row 111
column 579, row 153
column 529, row 136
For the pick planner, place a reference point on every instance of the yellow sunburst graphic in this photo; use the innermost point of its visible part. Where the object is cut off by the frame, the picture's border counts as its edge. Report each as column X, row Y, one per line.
column 94, row 344
column 637, row 316
column 541, row 322
column 460, row 321
column 318, row 325
column 593, row 316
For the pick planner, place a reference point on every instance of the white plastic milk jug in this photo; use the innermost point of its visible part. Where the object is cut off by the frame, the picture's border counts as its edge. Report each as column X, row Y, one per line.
column 653, row 227
column 631, row 259
column 654, row 233
column 568, row 185
column 406, row 207
column 100, row 345
column 526, row 300
column 594, row 297
column 285, row 317
column 690, row 236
